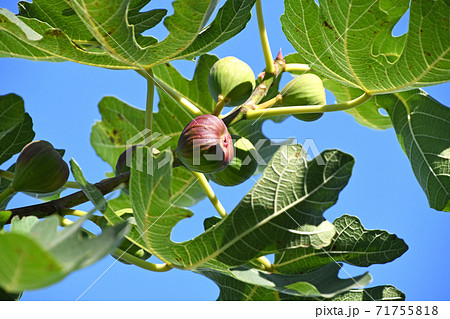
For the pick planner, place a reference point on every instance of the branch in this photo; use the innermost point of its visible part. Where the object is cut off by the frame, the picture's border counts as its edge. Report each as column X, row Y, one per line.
column 58, row 205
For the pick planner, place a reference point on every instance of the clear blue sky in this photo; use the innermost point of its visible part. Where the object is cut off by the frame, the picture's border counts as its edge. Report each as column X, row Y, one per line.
column 383, row 192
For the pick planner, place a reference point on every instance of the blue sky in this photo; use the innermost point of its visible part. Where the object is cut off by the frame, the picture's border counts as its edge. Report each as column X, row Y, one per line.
column 383, row 192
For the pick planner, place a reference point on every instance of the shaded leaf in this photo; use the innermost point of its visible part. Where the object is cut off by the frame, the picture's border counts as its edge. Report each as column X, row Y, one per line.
column 16, row 129
column 422, row 126
column 353, row 43
column 251, row 284
column 352, row 244
column 4, row 296
column 287, row 202
column 43, row 256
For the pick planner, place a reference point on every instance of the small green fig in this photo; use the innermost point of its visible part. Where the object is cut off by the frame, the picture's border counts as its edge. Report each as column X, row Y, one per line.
column 132, row 249
column 241, row 167
column 231, row 80
column 306, row 89
column 205, row 145
column 40, row 169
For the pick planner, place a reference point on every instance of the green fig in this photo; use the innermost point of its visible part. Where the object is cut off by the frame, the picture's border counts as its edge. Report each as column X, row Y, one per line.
column 306, row 89
column 241, row 168
column 205, row 145
column 132, row 249
column 231, row 80
column 40, row 169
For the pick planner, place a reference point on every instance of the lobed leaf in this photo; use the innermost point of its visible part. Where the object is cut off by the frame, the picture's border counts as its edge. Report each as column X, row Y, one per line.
column 352, row 244
column 353, row 44
column 287, row 202
column 422, row 126
column 73, row 30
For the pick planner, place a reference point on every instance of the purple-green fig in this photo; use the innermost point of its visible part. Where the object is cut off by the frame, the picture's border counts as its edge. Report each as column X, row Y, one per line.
column 123, row 166
column 40, row 169
column 241, row 168
column 231, row 80
column 306, row 89
column 205, row 145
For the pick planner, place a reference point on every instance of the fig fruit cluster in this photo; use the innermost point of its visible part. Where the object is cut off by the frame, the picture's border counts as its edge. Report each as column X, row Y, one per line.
column 231, row 80
column 306, row 89
column 40, row 169
column 205, row 145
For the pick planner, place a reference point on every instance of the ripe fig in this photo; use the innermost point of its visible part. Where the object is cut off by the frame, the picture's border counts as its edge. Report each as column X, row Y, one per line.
column 241, row 167
column 205, row 145
column 304, row 90
column 40, row 169
column 231, row 80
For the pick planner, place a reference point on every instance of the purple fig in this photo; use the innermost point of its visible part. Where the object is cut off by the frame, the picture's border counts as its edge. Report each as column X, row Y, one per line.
column 40, row 169
column 205, row 145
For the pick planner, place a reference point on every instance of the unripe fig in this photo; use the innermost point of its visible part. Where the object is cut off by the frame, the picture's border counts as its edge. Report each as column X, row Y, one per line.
column 130, row 248
column 232, row 80
column 241, row 167
column 40, row 169
column 304, row 90
column 205, row 145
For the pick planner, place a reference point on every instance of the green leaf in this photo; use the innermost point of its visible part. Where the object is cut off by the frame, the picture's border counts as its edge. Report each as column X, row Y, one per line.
column 58, row 30
column 42, row 256
column 230, row 20
column 16, row 129
column 422, row 126
column 114, row 214
column 287, row 202
column 91, row 192
column 4, row 216
column 353, row 44
column 251, row 284
column 352, row 244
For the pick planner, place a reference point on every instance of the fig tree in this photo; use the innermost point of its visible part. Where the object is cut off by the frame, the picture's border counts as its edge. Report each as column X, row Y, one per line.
column 241, row 168
column 306, row 89
column 231, row 80
column 205, row 145
column 40, row 169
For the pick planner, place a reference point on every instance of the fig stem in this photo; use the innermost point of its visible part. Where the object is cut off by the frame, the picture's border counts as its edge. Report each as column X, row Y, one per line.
column 297, row 67
column 6, row 193
column 187, row 105
column 219, row 107
column 70, row 184
column 268, row 103
column 289, row 110
column 266, row 263
column 270, row 68
column 149, row 102
column 73, row 212
column 210, row 193
column 126, row 256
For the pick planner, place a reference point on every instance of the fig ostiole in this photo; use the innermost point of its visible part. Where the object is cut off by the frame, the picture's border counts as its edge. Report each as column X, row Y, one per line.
column 205, row 145
column 306, row 89
column 231, row 81
column 40, row 169
column 241, row 168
